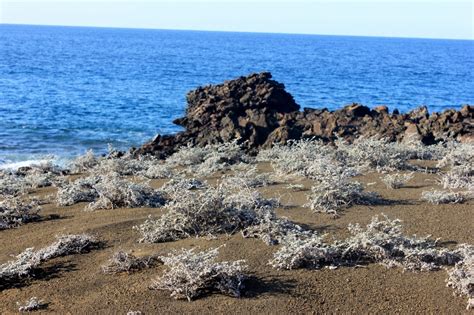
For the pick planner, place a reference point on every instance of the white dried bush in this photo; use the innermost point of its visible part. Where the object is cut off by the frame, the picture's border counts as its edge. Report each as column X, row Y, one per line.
column 214, row 162
column 294, row 158
column 367, row 154
column 205, row 212
column 458, row 177
column 126, row 262
column 158, row 171
column 248, row 177
column 397, row 180
column 177, row 187
column 122, row 166
column 67, row 245
column 12, row 185
column 80, row 190
column 15, row 212
column 204, row 161
column 184, row 184
column 273, row 230
column 33, row 304
column 457, row 154
column 41, row 180
column 109, row 192
column 116, row 192
column 12, row 272
column 84, row 163
column 461, row 277
column 192, row 274
column 188, row 155
column 382, row 241
column 441, row 196
column 337, row 191
column 311, row 252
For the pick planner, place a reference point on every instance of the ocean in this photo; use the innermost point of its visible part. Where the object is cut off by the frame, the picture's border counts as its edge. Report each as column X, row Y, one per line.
column 64, row 90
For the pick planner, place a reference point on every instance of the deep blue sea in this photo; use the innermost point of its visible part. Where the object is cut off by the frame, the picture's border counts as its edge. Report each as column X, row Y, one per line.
column 66, row 89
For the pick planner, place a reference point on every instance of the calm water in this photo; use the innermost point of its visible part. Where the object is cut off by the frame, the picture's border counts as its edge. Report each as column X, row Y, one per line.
column 65, row 89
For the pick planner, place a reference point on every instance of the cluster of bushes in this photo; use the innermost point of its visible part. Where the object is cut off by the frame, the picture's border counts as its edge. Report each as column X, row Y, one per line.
column 381, row 241
column 204, row 161
column 24, row 180
column 25, row 264
column 109, row 192
column 193, row 208
column 227, row 208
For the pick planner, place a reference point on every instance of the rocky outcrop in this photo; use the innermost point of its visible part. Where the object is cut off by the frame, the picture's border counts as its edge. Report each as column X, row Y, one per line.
column 259, row 112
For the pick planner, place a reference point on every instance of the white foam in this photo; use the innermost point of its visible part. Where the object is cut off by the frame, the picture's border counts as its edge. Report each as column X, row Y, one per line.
column 16, row 165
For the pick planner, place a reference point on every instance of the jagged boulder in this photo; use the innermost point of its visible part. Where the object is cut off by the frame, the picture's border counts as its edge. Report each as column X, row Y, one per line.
column 248, row 108
column 259, row 112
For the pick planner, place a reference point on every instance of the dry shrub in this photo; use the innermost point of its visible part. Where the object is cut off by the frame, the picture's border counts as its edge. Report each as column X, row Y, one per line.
column 272, row 229
column 461, row 277
column 13, row 272
column 109, row 192
column 206, row 212
column 397, row 180
column 440, row 197
column 126, row 262
column 15, row 212
column 80, row 190
column 191, row 274
column 204, row 161
column 309, row 252
column 294, row 158
column 189, row 155
column 124, row 166
column 115, row 192
column 367, row 154
column 248, row 176
column 177, row 187
column 334, row 192
column 382, row 241
column 33, row 304
column 84, row 163
column 457, row 154
column 158, row 171
column 458, row 177
column 12, row 185
column 68, row 245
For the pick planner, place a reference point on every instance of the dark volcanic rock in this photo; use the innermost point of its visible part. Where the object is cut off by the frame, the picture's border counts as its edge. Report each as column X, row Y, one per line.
column 259, row 112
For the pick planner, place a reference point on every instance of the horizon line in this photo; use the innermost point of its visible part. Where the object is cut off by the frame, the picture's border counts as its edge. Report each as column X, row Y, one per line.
column 228, row 31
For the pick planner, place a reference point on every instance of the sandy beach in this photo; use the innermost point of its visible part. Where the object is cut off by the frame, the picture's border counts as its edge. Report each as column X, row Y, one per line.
column 76, row 284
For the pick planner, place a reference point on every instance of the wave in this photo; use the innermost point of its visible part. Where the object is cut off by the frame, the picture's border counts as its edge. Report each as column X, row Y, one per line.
column 15, row 164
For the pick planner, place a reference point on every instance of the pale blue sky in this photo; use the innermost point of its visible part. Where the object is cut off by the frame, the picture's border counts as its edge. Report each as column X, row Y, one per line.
column 402, row 18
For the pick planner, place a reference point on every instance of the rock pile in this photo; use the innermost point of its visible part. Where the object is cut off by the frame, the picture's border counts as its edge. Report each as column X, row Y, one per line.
column 258, row 111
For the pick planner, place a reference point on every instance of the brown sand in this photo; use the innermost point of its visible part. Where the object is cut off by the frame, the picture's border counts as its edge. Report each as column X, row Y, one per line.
column 76, row 284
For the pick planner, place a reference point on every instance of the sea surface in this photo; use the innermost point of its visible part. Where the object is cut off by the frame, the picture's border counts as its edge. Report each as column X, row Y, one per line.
column 64, row 90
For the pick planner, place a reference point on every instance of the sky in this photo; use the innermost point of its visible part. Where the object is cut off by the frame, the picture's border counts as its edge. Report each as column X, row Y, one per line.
column 451, row 19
